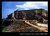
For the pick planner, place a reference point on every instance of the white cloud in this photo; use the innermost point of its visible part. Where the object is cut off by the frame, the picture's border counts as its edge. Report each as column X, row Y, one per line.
column 33, row 5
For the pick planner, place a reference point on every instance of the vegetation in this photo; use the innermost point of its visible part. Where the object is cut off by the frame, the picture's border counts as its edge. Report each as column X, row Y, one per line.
column 18, row 26
column 3, row 26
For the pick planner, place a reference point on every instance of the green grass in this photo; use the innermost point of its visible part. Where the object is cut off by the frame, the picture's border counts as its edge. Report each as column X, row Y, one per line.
column 3, row 27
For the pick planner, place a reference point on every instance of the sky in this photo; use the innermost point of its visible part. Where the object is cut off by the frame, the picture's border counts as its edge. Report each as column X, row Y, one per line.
column 10, row 7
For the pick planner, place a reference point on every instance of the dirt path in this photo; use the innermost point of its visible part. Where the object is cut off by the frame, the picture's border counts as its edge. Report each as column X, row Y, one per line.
column 24, row 27
column 40, row 28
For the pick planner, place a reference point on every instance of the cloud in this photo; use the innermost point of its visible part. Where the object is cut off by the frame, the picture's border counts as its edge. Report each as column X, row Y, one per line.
column 33, row 5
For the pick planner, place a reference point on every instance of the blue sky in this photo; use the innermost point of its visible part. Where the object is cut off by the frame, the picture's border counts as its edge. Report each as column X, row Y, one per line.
column 10, row 7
